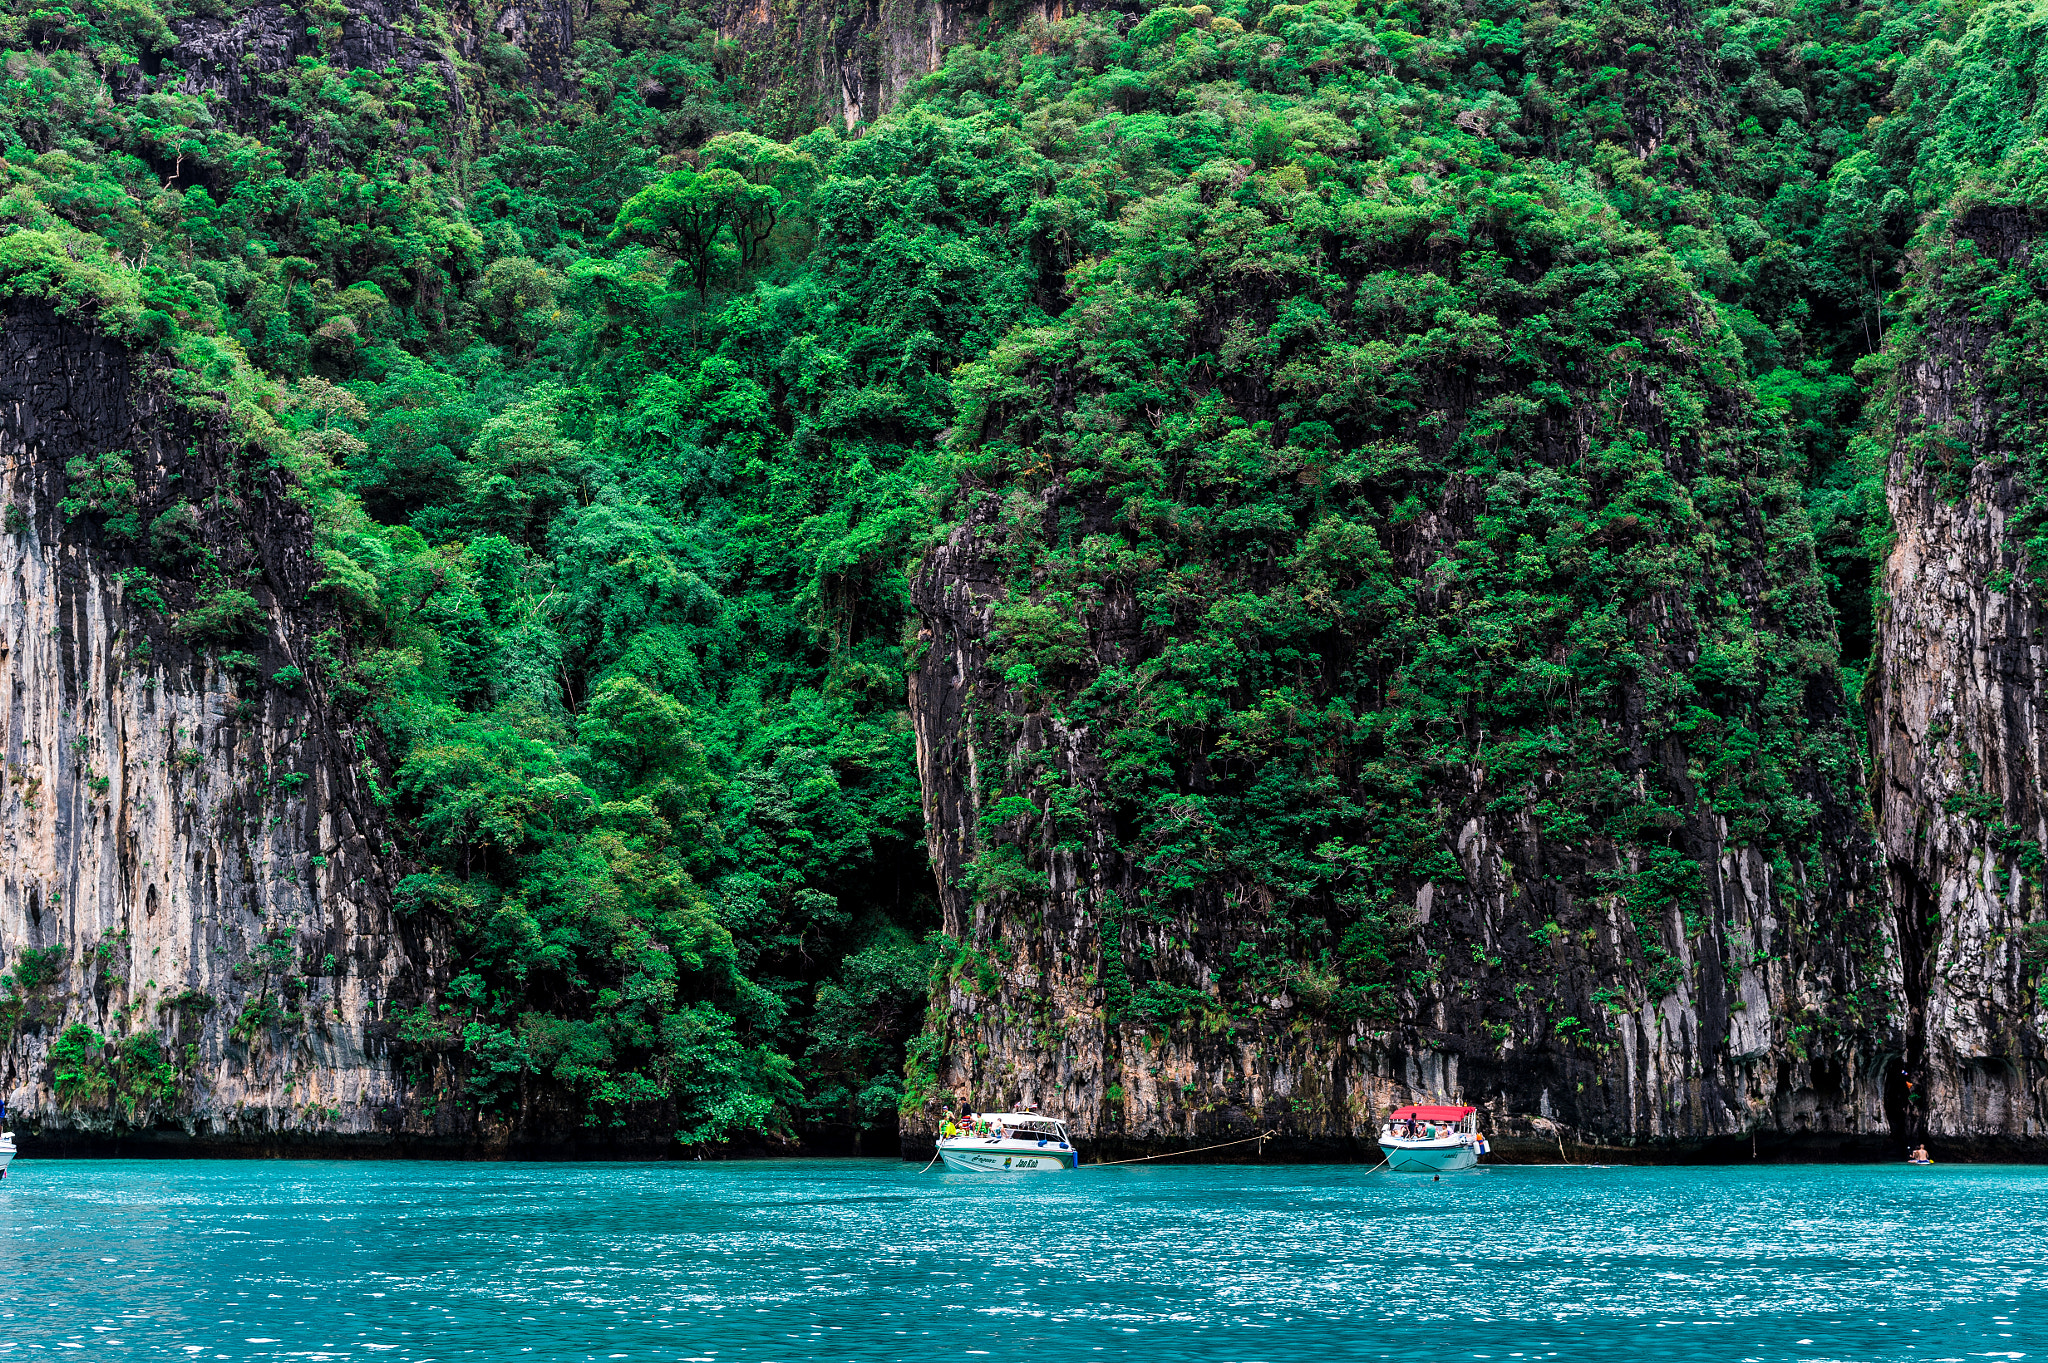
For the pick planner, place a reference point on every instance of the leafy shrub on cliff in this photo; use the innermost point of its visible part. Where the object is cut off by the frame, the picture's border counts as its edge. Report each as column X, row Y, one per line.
column 37, row 968
column 147, row 1080
column 103, row 485
column 499, row 1062
column 176, row 538
column 220, row 614
column 73, row 274
column 187, row 1003
column 78, row 1062
column 136, row 1076
column 23, row 987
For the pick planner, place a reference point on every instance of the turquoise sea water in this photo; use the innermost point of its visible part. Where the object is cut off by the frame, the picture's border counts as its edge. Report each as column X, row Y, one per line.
column 745, row 1262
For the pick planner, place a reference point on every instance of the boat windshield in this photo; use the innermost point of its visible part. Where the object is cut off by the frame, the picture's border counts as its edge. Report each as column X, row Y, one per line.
column 1017, row 1126
column 1028, row 1130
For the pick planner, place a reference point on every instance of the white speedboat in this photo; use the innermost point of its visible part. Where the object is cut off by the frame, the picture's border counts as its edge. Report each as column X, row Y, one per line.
column 1008, row 1143
column 6, row 1151
column 1432, row 1139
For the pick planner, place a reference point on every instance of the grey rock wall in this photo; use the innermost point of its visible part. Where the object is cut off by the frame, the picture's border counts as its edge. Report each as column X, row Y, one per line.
column 197, row 847
column 854, row 62
column 847, row 64
column 1959, row 744
column 239, row 61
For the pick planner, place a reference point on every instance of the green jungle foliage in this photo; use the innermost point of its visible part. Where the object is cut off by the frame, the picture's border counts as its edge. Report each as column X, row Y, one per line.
column 624, row 404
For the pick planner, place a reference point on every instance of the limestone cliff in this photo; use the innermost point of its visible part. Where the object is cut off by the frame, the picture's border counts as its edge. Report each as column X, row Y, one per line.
column 855, row 63
column 831, row 63
column 1775, row 1033
column 1957, row 730
column 193, row 884
column 1465, row 771
column 239, row 61
column 1886, row 988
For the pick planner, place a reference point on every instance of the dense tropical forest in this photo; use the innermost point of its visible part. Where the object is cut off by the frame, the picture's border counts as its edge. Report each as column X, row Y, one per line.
column 626, row 400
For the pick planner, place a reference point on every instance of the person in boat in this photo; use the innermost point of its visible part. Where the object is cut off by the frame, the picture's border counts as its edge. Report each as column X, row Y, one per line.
column 1919, row 1155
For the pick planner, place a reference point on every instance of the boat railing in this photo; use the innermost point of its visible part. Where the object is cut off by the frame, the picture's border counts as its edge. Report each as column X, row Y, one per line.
column 1049, row 1133
column 1434, row 1131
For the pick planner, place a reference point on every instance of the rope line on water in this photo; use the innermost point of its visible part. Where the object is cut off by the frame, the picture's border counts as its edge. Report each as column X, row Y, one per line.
column 1104, row 1164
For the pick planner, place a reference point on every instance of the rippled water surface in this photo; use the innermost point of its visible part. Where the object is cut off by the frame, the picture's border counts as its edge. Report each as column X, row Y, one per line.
column 874, row 1260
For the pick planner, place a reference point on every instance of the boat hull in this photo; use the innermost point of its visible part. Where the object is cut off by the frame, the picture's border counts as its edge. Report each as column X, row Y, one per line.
column 1005, row 1157
column 1429, row 1157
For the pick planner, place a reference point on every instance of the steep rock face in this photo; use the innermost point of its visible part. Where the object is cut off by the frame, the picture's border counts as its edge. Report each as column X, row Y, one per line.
column 1527, row 995
column 1313, row 717
column 190, row 850
column 1957, row 732
column 849, row 65
column 856, row 62
column 239, row 61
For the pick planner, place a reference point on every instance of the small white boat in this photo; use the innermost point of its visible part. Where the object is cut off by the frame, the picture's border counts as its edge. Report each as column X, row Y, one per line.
column 1432, row 1139
column 1008, row 1143
column 6, row 1151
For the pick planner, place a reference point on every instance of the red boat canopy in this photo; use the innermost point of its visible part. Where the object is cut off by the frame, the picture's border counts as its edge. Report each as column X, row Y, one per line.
column 1433, row 1114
